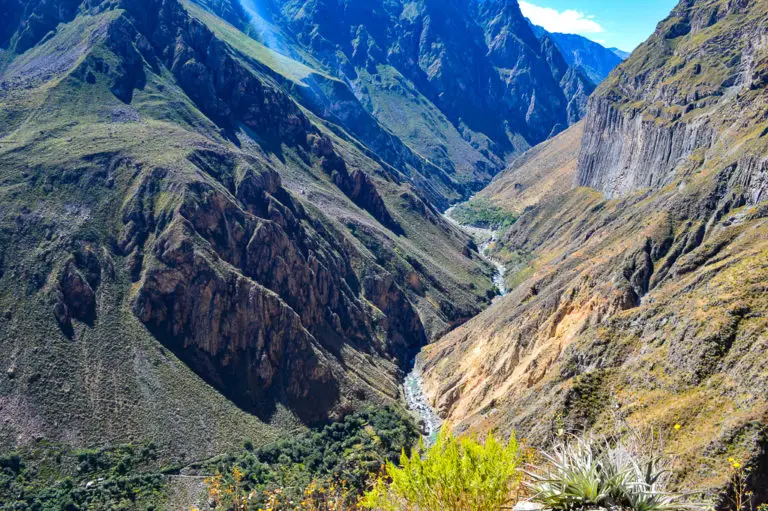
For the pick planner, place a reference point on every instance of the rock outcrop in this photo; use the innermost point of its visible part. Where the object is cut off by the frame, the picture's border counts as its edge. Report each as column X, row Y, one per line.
column 576, row 86
column 593, row 59
column 202, row 249
column 407, row 65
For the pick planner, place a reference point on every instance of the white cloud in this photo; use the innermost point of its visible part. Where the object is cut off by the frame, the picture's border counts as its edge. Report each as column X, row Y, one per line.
column 568, row 21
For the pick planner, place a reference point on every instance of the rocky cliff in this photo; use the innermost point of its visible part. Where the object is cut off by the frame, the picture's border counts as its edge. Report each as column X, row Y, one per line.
column 592, row 58
column 407, row 64
column 686, row 101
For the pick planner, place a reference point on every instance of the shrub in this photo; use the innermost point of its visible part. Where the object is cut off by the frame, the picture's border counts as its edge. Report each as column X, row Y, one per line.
column 459, row 474
column 586, row 473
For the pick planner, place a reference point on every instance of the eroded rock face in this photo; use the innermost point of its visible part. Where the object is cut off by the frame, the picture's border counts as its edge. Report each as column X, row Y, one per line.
column 623, row 152
column 643, row 297
column 222, row 87
column 74, row 296
column 237, row 334
column 686, row 106
column 575, row 84
column 151, row 223
column 432, row 44
column 36, row 19
column 356, row 185
column 256, row 295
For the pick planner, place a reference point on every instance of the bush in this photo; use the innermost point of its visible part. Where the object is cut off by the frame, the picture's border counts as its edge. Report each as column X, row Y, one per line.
column 459, row 474
column 586, row 473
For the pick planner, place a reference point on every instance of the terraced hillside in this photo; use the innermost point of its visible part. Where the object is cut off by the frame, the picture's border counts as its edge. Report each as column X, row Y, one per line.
column 638, row 294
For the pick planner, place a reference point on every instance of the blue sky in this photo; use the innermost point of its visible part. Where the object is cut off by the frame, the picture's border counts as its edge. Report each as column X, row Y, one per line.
column 620, row 23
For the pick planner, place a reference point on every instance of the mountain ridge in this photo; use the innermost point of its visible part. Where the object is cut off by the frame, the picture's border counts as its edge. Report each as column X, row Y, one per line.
column 185, row 226
column 221, row 226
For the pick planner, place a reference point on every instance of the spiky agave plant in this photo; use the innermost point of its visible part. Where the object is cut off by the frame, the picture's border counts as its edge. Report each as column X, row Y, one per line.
column 573, row 478
column 642, row 484
column 586, row 473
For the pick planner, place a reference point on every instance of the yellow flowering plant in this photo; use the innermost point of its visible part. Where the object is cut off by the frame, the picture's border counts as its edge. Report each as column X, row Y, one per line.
column 740, row 495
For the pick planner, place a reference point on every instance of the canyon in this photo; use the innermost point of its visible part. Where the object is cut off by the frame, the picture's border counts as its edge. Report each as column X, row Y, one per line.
column 224, row 222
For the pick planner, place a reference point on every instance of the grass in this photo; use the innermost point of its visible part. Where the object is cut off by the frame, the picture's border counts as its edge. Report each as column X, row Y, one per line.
column 284, row 66
column 399, row 106
column 132, row 476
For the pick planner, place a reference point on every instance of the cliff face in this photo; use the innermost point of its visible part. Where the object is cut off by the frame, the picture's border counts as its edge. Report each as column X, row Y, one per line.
column 637, row 297
column 574, row 83
column 685, row 101
column 200, row 249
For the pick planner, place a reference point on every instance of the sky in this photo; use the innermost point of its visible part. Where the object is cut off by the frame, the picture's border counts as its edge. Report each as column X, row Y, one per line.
column 623, row 24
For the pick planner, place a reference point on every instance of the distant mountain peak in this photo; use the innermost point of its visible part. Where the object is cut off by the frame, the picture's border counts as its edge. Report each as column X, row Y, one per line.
column 594, row 59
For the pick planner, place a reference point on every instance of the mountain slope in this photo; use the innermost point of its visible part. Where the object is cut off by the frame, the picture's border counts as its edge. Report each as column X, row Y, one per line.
column 638, row 297
column 576, row 86
column 623, row 55
column 408, row 69
column 695, row 103
column 189, row 252
column 547, row 170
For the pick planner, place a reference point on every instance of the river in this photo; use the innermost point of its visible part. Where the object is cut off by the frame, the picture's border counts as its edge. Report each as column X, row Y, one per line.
column 413, row 390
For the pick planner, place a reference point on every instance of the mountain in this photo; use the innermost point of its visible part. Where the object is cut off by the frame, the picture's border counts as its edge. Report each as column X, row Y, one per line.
column 193, row 249
column 573, row 81
column 637, row 293
column 221, row 220
column 221, row 240
column 594, row 59
column 548, row 170
column 407, row 63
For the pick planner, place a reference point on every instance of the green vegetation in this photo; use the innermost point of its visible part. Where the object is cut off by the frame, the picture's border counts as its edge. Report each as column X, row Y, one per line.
column 56, row 479
column 340, row 455
column 484, row 214
column 333, row 468
column 586, row 400
column 460, row 474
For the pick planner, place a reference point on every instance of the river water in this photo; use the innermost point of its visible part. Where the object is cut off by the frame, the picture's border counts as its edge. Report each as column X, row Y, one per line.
column 415, row 398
